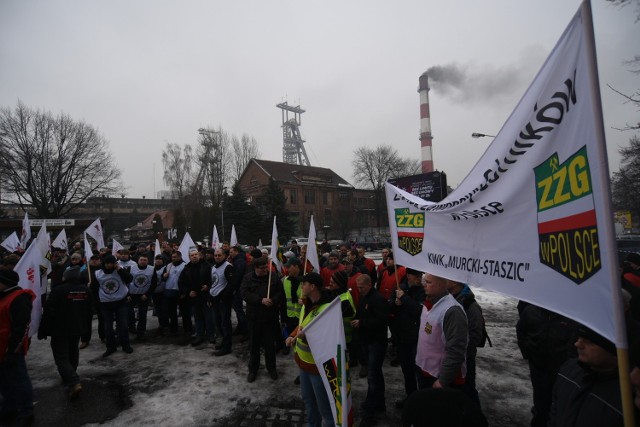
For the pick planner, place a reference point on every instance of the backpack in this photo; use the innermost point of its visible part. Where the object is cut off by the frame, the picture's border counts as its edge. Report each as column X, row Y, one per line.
column 466, row 303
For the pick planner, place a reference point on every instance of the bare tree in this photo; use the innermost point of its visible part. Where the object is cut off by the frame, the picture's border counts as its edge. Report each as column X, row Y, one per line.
column 407, row 167
column 243, row 150
column 53, row 163
column 178, row 172
column 625, row 182
column 372, row 167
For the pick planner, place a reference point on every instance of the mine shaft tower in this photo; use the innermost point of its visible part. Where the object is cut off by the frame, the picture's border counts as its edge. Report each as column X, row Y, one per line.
column 293, row 151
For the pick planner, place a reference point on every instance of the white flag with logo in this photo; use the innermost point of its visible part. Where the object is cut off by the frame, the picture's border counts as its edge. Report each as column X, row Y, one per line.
column 11, row 243
column 533, row 218
column 33, row 268
column 25, row 233
column 325, row 335
column 215, row 239
column 88, row 252
column 95, row 231
column 60, row 241
column 312, row 248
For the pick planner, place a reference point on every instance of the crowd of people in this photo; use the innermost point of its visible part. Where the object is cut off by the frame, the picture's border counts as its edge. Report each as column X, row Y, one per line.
column 429, row 326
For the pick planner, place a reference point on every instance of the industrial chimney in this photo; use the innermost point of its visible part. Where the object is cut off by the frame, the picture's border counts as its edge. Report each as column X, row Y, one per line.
column 425, row 124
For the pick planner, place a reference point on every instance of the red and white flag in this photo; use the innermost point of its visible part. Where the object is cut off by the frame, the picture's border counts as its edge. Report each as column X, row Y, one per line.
column 11, row 243
column 61, row 241
column 25, row 233
column 215, row 239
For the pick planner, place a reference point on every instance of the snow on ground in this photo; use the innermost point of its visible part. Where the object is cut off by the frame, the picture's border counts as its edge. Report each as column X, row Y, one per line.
column 166, row 382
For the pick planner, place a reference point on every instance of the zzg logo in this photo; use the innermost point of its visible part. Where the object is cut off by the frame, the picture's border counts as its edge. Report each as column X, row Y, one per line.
column 410, row 227
column 567, row 226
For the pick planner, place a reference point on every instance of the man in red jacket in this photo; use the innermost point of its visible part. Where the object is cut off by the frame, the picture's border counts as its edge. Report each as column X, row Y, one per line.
column 15, row 317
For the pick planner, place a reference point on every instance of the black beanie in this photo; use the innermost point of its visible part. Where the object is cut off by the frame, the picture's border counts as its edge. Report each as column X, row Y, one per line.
column 341, row 278
column 9, row 278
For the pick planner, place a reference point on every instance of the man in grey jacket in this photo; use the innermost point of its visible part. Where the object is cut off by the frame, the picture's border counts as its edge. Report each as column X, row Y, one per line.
column 442, row 338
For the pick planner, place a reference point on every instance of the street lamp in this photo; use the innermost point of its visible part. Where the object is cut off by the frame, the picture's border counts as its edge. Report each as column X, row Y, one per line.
column 481, row 135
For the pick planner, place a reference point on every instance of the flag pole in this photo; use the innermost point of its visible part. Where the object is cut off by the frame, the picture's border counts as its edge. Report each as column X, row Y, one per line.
column 269, row 286
column 614, row 279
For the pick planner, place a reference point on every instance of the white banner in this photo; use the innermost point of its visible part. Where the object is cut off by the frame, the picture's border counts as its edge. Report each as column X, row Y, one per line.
column 325, row 335
column 533, row 218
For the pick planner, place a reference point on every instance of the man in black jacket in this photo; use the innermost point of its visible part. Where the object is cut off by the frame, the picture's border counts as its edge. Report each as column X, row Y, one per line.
column 587, row 391
column 371, row 326
column 194, row 283
column 405, row 306
column 264, row 301
column 67, row 314
column 239, row 262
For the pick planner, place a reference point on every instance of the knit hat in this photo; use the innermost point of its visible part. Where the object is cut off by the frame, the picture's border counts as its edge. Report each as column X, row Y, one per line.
column 109, row 259
column 413, row 272
column 256, row 253
column 9, row 278
column 293, row 261
column 341, row 278
column 71, row 274
column 597, row 339
column 314, row 279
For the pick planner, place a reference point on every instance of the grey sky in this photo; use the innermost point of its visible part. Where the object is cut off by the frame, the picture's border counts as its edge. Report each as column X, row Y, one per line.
column 149, row 72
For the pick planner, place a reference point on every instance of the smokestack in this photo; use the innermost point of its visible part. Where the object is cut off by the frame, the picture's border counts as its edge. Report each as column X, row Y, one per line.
column 425, row 124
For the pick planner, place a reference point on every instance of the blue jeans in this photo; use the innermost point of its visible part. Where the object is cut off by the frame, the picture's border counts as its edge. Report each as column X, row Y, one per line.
column 118, row 311
column 374, row 353
column 15, row 387
column 316, row 401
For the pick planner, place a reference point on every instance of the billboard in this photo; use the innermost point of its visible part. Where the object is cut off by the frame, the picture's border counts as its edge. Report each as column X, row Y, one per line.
column 431, row 186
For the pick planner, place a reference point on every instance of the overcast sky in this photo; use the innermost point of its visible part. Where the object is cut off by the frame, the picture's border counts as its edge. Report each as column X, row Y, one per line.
column 150, row 72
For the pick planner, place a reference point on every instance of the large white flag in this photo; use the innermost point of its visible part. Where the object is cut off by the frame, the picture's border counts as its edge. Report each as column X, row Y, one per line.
column 325, row 335
column 215, row 239
column 312, row 248
column 61, row 241
column 25, row 233
column 533, row 218
column 234, row 239
column 95, row 231
column 11, row 243
column 275, row 246
column 33, row 268
column 186, row 245
column 116, row 246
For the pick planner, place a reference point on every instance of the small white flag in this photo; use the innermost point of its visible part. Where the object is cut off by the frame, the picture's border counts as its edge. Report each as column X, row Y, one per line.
column 275, row 246
column 88, row 252
column 158, row 250
column 312, row 249
column 234, row 238
column 116, row 247
column 25, row 234
column 215, row 239
column 186, row 246
column 95, row 231
column 11, row 243
column 60, row 241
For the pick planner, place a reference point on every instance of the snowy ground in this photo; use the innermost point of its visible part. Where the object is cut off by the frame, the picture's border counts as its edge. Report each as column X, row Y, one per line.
column 166, row 382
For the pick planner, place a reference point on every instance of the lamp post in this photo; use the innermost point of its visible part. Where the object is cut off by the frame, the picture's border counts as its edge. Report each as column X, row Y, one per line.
column 481, row 135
